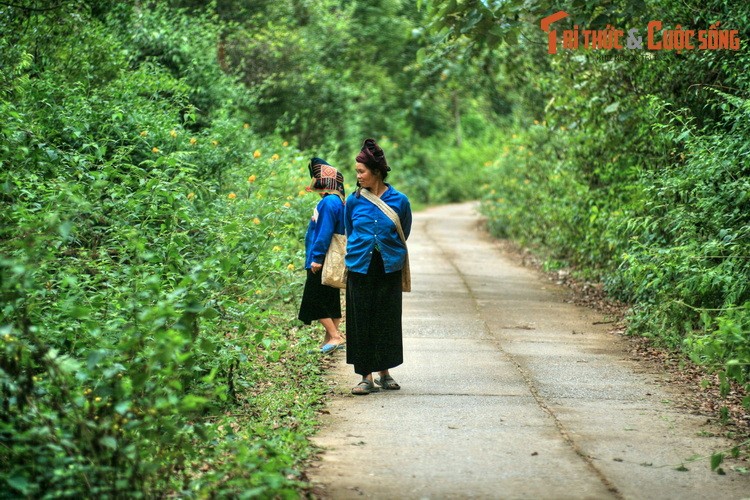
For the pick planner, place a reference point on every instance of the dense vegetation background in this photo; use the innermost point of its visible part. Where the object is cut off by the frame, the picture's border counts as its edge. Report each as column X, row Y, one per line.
column 152, row 205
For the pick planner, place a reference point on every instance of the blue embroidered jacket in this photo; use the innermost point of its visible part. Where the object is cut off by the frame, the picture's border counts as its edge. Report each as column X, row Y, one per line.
column 367, row 227
column 327, row 218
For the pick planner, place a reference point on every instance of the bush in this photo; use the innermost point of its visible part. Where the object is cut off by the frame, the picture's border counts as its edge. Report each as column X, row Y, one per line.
column 147, row 281
column 687, row 268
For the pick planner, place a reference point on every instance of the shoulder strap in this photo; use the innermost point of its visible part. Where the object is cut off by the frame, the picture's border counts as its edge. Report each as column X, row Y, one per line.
column 383, row 206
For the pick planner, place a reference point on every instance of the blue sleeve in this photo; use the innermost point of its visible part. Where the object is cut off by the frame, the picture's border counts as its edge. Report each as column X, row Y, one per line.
column 405, row 217
column 348, row 226
column 326, row 225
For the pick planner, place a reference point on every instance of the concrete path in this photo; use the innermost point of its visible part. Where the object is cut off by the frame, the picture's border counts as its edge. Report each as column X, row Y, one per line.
column 508, row 392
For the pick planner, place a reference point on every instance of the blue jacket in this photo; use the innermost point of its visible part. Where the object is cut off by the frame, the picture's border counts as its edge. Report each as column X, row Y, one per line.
column 327, row 218
column 367, row 226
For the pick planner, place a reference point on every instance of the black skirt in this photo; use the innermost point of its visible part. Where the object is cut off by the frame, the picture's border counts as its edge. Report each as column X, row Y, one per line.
column 373, row 319
column 319, row 301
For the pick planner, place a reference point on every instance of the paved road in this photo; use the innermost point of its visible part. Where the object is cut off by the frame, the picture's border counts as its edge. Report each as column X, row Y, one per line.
column 508, row 392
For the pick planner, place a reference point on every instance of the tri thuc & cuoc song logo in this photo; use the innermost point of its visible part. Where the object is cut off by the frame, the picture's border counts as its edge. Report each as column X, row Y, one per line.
column 657, row 37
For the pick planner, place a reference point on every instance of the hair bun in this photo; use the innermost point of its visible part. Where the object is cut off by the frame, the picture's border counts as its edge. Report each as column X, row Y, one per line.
column 373, row 156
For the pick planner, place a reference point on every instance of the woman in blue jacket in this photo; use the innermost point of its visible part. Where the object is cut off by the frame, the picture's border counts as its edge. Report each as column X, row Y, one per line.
column 321, row 302
column 375, row 257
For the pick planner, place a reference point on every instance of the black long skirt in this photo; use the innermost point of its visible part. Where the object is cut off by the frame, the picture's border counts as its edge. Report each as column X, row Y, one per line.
column 319, row 301
column 373, row 319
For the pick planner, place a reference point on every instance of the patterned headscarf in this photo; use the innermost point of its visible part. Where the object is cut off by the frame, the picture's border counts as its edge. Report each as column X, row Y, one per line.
column 325, row 178
column 373, row 156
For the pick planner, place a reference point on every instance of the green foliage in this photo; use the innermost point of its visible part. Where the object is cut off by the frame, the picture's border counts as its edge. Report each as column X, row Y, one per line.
column 437, row 171
column 316, row 80
column 148, row 272
column 184, row 43
column 688, row 261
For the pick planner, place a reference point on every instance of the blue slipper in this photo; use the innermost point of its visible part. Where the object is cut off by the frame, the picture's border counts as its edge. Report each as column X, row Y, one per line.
column 329, row 348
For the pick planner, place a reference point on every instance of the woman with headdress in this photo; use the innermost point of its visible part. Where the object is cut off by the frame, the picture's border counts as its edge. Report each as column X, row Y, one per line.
column 375, row 258
column 321, row 302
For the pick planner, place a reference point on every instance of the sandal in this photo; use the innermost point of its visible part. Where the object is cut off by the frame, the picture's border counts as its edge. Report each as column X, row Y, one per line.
column 363, row 388
column 329, row 348
column 387, row 383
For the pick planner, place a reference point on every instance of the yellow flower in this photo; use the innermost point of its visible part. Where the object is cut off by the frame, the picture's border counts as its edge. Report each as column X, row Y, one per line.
column 256, row 221
column 487, row 163
column 193, row 140
column 277, row 248
column 251, row 179
column 232, row 196
column 536, row 122
column 290, row 267
column 144, row 133
column 173, row 133
column 258, row 292
column 256, row 154
column 287, row 204
column 285, row 143
column 275, row 157
column 154, row 149
column 246, row 125
column 302, row 192
column 190, row 196
column 215, row 143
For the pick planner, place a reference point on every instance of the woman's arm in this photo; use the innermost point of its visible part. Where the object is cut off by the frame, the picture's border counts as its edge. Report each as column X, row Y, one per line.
column 324, row 229
column 405, row 216
column 348, row 224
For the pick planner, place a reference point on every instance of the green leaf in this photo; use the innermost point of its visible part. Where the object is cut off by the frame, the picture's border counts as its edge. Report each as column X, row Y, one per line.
column 716, row 460
column 192, row 402
column 95, row 357
column 19, row 483
column 122, row 407
column 64, row 229
column 108, row 442
column 210, row 313
column 612, row 108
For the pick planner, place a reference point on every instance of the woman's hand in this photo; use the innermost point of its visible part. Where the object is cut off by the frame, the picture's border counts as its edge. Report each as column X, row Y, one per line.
column 315, row 267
